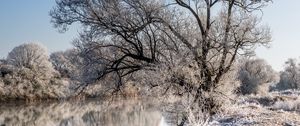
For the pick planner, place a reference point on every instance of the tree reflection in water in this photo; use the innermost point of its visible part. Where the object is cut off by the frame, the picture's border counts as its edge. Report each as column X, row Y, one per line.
column 87, row 113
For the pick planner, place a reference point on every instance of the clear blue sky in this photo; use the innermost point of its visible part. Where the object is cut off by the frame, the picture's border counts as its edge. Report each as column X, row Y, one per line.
column 28, row 20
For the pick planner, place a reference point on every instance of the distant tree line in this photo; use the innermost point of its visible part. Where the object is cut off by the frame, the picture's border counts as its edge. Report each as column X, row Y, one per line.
column 29, row 68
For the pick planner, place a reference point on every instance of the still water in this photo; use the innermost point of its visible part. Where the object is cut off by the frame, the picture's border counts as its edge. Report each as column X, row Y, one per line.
column 84, row 113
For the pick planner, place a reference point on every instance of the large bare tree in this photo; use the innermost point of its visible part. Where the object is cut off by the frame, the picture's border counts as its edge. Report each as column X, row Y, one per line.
column 131, row 35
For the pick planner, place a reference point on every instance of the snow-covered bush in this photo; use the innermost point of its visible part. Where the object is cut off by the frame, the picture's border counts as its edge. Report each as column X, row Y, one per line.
column 256, row 75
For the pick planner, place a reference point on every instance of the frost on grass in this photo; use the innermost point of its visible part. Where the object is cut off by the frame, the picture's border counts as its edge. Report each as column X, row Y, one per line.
column 275, row 109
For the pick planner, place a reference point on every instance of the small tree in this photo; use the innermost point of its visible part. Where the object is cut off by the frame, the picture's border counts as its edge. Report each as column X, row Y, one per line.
column 31, row 56
column 255, row 76
column 290, row 76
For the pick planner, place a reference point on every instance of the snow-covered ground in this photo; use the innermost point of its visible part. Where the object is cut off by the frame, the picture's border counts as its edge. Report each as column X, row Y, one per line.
column 276, row 109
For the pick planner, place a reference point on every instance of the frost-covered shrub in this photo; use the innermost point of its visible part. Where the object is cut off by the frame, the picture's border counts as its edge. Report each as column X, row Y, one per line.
column 256, row 76
column 22, row 84
column 289, row 105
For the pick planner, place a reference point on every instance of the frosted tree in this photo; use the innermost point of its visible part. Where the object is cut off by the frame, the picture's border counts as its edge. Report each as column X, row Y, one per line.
column 143, row 34
column 290, row 76
column 31, row 56
column 31, row 75
column 256, row 75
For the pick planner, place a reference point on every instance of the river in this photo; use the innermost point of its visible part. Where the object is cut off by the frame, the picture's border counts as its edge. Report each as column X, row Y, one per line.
column 92, row 112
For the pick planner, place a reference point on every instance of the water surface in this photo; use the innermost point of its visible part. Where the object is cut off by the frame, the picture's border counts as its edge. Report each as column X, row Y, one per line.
column 84, row 113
